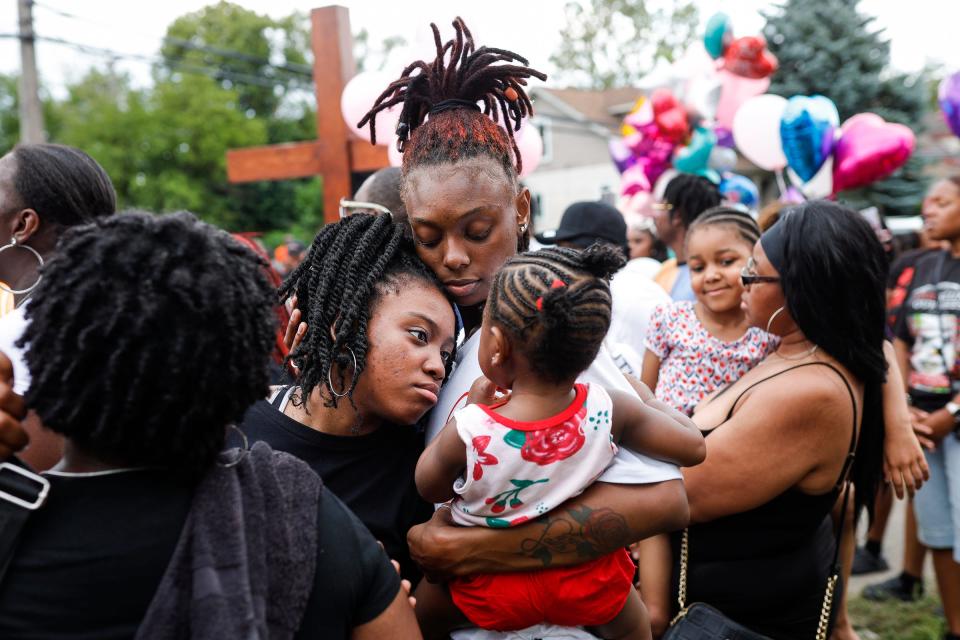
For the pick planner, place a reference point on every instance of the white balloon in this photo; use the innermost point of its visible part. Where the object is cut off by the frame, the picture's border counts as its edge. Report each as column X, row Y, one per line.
column 756, row 130
column 530, row 145
column 820, row 185
column 357, row 98
column 723, row 159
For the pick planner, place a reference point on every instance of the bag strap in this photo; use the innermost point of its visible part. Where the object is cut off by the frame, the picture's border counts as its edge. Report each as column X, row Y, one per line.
column 21, row 492
column 834, row 576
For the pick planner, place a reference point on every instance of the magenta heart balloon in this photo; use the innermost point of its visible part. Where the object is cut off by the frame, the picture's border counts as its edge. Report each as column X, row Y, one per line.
column 869, row 149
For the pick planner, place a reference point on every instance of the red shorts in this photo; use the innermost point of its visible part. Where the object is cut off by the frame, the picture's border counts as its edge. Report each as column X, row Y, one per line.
column 589, row 594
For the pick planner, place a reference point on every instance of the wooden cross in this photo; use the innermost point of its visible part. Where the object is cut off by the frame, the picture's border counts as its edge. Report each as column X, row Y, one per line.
column 337, row 152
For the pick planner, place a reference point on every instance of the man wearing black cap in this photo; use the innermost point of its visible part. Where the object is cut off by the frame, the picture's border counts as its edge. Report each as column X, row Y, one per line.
column 584, row 223
column 634, row 294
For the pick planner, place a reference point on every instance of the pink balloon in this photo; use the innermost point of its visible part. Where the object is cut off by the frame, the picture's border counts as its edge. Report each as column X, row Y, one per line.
column 393, row 155
column 735, row 90
column 634, row 181
column 359, row 95
column 530, row 145
column 869, row 149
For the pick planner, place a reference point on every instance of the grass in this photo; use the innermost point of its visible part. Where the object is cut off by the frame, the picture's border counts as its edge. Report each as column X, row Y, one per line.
column 895, row 620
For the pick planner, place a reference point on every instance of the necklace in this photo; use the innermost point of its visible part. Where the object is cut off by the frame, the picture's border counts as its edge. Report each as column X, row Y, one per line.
column 803, row 355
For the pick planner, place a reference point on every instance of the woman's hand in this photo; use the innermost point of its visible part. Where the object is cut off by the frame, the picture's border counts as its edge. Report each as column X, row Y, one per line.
column 433, row 545
column 13, row 437
column 293, row 336
column 923, row 432
column 482, row 391
column 904, row 466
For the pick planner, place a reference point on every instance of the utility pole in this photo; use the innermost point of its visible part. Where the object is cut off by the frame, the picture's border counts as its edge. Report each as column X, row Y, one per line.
column 31, row 114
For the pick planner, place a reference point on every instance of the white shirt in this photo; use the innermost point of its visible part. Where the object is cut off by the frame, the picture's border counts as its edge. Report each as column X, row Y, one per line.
column 627, row 467
column 12, row 326
column 635, row 296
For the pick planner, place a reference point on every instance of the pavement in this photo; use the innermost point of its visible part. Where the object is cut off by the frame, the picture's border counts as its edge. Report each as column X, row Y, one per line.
column 892, row 551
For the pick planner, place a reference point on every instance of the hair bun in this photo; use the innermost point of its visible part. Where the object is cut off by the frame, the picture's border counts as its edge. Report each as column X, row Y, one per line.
column 602, row 260
column 556, row 308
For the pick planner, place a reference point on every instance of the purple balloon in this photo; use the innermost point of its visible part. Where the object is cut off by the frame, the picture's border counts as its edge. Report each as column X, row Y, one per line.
column 724, row 137
column 949, row 97
column 621, row 155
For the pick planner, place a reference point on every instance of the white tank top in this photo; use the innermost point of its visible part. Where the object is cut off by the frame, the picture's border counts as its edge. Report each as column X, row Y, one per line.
column 518, row 471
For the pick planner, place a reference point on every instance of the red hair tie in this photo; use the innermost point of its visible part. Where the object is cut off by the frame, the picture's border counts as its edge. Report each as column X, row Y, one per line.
column 556, row 284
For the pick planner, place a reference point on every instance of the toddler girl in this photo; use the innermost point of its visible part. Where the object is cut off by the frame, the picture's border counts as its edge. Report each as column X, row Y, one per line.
column 548, row 440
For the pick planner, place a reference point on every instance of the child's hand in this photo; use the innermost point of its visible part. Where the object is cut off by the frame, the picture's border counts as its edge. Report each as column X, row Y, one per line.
column 482, row 391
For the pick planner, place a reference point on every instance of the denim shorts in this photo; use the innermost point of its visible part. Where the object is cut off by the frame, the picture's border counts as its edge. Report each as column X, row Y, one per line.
column 937, row 504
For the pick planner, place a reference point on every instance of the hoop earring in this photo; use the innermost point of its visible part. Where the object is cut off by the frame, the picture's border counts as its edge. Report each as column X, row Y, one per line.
column 242, row 450
column 18, row 292
column 330, row 376
column 773, row 317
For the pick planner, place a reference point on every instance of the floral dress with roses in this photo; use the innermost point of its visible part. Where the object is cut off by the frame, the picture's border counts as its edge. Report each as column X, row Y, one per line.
column 693, row 362
column 518, row 471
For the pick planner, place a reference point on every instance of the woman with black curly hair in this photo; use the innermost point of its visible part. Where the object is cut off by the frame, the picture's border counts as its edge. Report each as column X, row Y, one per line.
column 379, row 338
column 148, row 336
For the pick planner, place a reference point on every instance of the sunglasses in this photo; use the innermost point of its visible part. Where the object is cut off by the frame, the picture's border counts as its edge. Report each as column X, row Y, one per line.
column 661, row 206
column 748, row 275
column 350, row 207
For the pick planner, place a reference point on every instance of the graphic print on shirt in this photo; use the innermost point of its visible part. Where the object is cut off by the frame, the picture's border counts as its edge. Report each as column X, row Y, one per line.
column 694, row 363
column 480, row 444
column 546, row 446
column 933, row 327
column 518, row 471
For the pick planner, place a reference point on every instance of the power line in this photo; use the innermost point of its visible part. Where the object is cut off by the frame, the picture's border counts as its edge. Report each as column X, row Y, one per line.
column 289, row 67
column 179, row 65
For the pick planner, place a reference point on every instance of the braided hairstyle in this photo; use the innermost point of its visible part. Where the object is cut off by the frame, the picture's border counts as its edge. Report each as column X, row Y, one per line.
column 347, row 268
column 556, row 304
column 741, row 222
column 448, row 90
column 690, row 196
column 147, row 336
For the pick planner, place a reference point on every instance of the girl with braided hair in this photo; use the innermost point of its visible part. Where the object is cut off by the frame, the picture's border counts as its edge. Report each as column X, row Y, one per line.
column 379, row 337
column 506, row 463
column 468, row 215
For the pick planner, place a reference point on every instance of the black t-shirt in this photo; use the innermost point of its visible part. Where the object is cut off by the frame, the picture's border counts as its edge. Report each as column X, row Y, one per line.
column 928, row 323
column 90, row 561
column 373, row 474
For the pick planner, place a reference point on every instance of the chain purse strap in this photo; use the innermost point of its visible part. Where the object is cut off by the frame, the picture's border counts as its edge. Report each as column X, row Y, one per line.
column 828, row 595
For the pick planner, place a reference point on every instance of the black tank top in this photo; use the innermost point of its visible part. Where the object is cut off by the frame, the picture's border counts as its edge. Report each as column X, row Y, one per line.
column 767, row 568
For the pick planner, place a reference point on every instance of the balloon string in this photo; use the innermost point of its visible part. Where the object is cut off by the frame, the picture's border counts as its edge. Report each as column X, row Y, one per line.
column 780, row 182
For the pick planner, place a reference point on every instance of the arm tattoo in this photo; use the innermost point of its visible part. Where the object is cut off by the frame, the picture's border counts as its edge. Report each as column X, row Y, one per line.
column 589, row 532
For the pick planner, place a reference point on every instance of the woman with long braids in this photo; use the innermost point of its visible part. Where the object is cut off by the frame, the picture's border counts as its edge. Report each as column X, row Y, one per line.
column 148, row 336
column 468, row 215
column 379, row 338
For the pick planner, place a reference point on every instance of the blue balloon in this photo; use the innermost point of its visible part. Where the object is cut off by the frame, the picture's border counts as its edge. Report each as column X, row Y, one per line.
column 806, row 132
column 717, row 35
column 739, row 189
column 695, row 157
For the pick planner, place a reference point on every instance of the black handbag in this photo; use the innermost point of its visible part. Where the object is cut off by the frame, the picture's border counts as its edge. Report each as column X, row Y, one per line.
column 700, row 621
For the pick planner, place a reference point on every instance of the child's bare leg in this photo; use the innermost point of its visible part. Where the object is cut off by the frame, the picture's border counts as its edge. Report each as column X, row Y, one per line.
column 436, row 613
column 656, row 565
column 631, row 623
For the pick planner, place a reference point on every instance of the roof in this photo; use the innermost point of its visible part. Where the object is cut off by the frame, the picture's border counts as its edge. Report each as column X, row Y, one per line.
column 606, row 106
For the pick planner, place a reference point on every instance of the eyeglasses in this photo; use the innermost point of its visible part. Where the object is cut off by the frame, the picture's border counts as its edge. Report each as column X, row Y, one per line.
column 748, row 275
column 661, row 206
column 350, row 207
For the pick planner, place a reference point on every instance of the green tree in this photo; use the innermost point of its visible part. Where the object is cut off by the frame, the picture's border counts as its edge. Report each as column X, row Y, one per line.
column 829, row 47
column 252, row 53
column 613, row 43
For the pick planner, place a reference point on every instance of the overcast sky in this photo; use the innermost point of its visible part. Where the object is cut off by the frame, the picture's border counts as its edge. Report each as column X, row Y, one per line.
column 919, row 30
